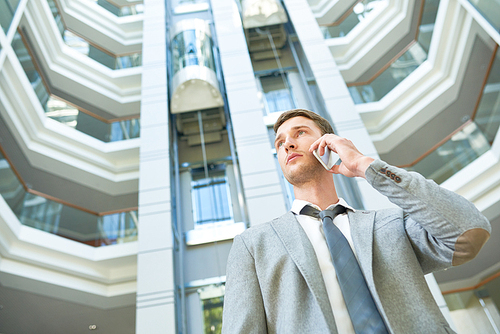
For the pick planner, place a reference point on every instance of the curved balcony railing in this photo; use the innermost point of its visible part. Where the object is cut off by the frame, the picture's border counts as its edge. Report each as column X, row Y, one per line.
column 360, row 12
column 472, row 140
column 490, row 11
column 487, row 115
column 101, row 56
column 62, row 112
column 53, row 216
column 403, row 66
column 78, row 43
column 483, row 297
column 7, row 11
column 66, row 114
column 121, row 10
column 460, row 150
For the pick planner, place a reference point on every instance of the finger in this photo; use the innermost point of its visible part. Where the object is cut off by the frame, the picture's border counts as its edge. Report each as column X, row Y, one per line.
column 314, row 145
column 335, row 169
column 321, row 147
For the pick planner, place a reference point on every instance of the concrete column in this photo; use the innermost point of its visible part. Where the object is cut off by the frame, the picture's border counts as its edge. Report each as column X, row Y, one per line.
column 261, row 185
column 155, row 276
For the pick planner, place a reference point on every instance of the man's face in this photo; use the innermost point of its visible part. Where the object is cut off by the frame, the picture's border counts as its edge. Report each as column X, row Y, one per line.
column 293, row 139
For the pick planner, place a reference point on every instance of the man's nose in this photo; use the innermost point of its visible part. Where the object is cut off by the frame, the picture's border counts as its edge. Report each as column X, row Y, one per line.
column 290, row 143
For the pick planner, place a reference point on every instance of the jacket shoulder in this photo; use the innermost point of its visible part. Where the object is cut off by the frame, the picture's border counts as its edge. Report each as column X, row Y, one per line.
column 257, row 234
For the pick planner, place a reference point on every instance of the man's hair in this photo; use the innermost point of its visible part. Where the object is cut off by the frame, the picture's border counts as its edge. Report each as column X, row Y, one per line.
column 322, row 123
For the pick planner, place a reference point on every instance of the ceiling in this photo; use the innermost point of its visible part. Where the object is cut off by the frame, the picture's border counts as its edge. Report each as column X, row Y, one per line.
column 25, row 312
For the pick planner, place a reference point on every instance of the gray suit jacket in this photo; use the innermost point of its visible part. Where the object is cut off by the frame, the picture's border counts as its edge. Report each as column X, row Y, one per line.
column 274, row 283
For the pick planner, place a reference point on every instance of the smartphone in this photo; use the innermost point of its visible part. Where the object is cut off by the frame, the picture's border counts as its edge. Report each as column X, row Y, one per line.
column 328, row 160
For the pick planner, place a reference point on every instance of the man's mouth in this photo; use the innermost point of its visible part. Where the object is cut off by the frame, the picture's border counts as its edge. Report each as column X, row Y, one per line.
column 292, row 156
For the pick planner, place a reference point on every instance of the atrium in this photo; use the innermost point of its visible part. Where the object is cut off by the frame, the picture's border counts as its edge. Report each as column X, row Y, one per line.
column 136, row 142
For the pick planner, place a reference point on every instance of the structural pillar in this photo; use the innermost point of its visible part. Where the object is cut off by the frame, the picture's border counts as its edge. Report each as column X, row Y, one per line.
column 261, row 184
column 155, row 273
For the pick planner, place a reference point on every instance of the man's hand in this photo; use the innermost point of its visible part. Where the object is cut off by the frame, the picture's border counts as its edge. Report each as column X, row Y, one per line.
column 354, row 163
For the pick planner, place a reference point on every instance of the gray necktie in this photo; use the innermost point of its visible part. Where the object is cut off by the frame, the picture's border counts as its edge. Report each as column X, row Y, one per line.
column 364, row 315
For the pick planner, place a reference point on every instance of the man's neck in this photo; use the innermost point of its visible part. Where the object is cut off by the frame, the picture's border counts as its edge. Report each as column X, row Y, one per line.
column 320, row 192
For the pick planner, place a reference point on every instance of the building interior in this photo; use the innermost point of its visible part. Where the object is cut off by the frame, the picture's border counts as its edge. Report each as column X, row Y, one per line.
column 136, row 141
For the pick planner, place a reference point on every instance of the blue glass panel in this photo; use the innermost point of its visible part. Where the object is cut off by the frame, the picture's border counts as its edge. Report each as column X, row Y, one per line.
column 7, row 11
column 361, row 11
column 62, row 220
column 192, row 47
column 121, row 10
column 279, row 100
column 459, row 151
column 67, row 114
column 490, row 9
column 402, row 67
column 488, row 112
column 98, row 54
column 277, row 93
column 211, row 196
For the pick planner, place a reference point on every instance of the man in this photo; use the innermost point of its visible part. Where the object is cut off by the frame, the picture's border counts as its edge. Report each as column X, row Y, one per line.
column 281, row 277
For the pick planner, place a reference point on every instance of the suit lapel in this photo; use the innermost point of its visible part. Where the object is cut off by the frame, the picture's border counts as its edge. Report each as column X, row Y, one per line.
column 361, row 225
column 302, row 253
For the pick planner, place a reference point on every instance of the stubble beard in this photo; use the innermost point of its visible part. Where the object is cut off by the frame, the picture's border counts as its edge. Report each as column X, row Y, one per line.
column 305, row 174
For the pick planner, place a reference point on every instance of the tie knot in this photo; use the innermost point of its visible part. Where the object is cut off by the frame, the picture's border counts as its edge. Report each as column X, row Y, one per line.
column 331, row 213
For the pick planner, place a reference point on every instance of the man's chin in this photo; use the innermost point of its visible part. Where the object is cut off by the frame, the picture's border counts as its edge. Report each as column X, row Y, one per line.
column 300, row 176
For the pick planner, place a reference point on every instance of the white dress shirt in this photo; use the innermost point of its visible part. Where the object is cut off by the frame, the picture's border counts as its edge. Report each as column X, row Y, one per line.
column 314, row 230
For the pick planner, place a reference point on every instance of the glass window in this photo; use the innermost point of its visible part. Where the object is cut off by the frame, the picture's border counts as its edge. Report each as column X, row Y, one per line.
column 488, row 112
column 277, row 93
column 189, row 6
column 212, row 299
column 121, row 10
column 210, row 195
column 192, row 47
column 460, row 150
column 360, row 12
column 7, row 10
column 490, row 10
column 117, row 228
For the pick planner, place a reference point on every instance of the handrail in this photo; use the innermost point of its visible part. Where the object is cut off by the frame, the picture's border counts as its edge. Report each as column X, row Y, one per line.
column 341, row 18
column 398, row 55
column 484, row 8
column 48, row 214
column 121, row 9
column 435, row 147
column 384, row 67
column 56, row 13
column 348, row 21
column 55, row 199
column 85, row 111
column 11, row 10
column 47, row 95
column 474, row 287
column 80, row 208
column 460, row 128
column 364, row 93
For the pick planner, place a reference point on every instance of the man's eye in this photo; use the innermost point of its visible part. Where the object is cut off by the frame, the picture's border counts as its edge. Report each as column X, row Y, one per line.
column 301, row 133
column 280, row 144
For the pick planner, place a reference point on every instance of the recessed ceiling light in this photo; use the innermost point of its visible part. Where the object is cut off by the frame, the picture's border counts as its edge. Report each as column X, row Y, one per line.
column 92, row 327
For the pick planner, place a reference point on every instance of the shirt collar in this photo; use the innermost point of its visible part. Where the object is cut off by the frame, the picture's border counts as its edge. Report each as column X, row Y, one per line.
column 298, row 204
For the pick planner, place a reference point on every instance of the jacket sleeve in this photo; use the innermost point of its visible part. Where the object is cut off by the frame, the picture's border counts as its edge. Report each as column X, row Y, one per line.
column 444, row 228
column 243, row 310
